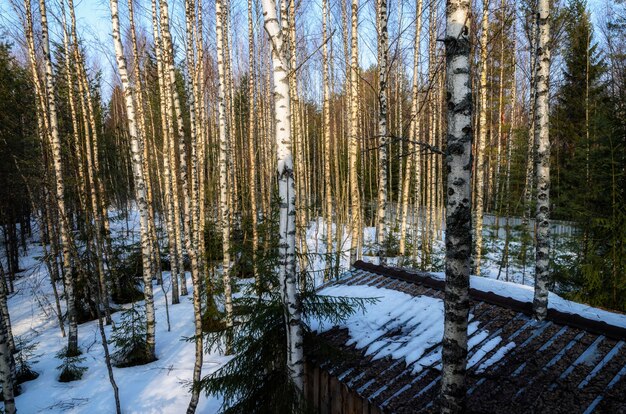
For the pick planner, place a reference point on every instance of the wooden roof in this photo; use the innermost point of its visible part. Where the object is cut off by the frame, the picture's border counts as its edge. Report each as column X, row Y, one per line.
column 566, row 364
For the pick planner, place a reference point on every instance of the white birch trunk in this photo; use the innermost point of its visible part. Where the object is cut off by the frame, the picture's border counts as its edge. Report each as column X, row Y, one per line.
column 172, row 235
column 381, row 222
column 353, row 151
column 328, row 196
column 542, row 165
column 251, row 142
column 458, row 214
column 6, row 376
column 481, row 142
column 287, row 195
column 140, row 187
column 192, row 212
column 224, row 153
column 170, row 75
column 55, row 144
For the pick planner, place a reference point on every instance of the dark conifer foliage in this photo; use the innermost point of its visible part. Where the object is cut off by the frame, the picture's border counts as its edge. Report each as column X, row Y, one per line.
column 590, row 164
column 256, row 379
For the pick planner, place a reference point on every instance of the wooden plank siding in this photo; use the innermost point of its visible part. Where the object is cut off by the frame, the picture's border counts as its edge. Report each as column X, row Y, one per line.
column 328, row 395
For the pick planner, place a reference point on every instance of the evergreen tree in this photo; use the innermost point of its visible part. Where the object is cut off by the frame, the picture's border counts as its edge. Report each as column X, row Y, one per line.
column 589, row 160
column 575, row 119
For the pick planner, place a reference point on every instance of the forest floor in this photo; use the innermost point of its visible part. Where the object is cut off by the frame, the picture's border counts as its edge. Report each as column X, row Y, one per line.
column 161, row 386
column 518, row 267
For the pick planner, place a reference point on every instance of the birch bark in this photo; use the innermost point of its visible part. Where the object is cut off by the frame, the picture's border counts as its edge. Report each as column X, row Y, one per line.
column 353, row 151
column 192, row 212
column 55, row 144
column 458, row 237
column 170, row 75
column 223, row 159
column 414, row 132
column 5, row 370
column 287, row 195
column 381, row 222
column 251, row 140
column 328, row 199
column 542, row 162
column 140, row 187
column 172, row 235
column 481, row 142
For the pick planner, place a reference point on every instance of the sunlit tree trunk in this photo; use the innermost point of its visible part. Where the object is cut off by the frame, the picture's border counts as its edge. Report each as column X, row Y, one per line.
column 287, row 195
column 140, row 187
column 192, row 210
column 497, row 192
column 413, row 157
column 224, row 154
column 328, row 193
column 429, row 159
column 251, row 140
column 141, row 127
column 381, row 222
column 55, row 144
column 542, row 162
column 170, row 222
column 481, row 142
column 458, row 213
column 170, row 82
column 356, row 221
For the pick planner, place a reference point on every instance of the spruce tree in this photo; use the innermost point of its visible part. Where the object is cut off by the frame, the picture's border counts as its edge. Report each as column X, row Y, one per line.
column 589, row 159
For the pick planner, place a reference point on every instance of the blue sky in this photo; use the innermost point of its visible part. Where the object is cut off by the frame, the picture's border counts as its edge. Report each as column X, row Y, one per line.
column 94, row 28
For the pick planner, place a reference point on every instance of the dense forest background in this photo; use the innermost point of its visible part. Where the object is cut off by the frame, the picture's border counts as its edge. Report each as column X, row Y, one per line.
column 587, row 127
column 242, row 153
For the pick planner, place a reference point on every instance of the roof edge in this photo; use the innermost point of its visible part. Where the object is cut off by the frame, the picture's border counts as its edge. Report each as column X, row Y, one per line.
column 556, row 316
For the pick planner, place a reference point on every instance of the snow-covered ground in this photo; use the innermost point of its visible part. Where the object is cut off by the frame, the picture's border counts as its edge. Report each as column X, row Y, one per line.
column 158, row 387
column 520, row 271
column 163, row 386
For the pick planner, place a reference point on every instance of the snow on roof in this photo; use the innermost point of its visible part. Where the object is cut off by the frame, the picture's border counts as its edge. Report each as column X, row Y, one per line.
column 512, row 360
column 525, row 293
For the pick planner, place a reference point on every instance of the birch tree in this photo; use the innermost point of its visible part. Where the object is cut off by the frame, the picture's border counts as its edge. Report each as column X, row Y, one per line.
column 481, row 142
column 251, row 140
column 542, row 162
column 166, row 129
column 287, row 195
column 328, row 199
column 140, row 187
column 192, row 209
column 458, row 212
column 381, row 222
column 6, row 376
column 414, row 132
column 224, row 153
column 170, row 81
column 51, row 123
column 353, row 151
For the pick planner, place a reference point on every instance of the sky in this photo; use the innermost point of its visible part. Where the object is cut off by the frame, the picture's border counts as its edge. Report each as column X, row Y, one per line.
column 94, row 27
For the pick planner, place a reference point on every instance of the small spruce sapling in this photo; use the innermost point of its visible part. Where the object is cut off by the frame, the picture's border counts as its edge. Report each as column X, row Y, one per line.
column 129, row 338
column 70, row 367
column 24, row 359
